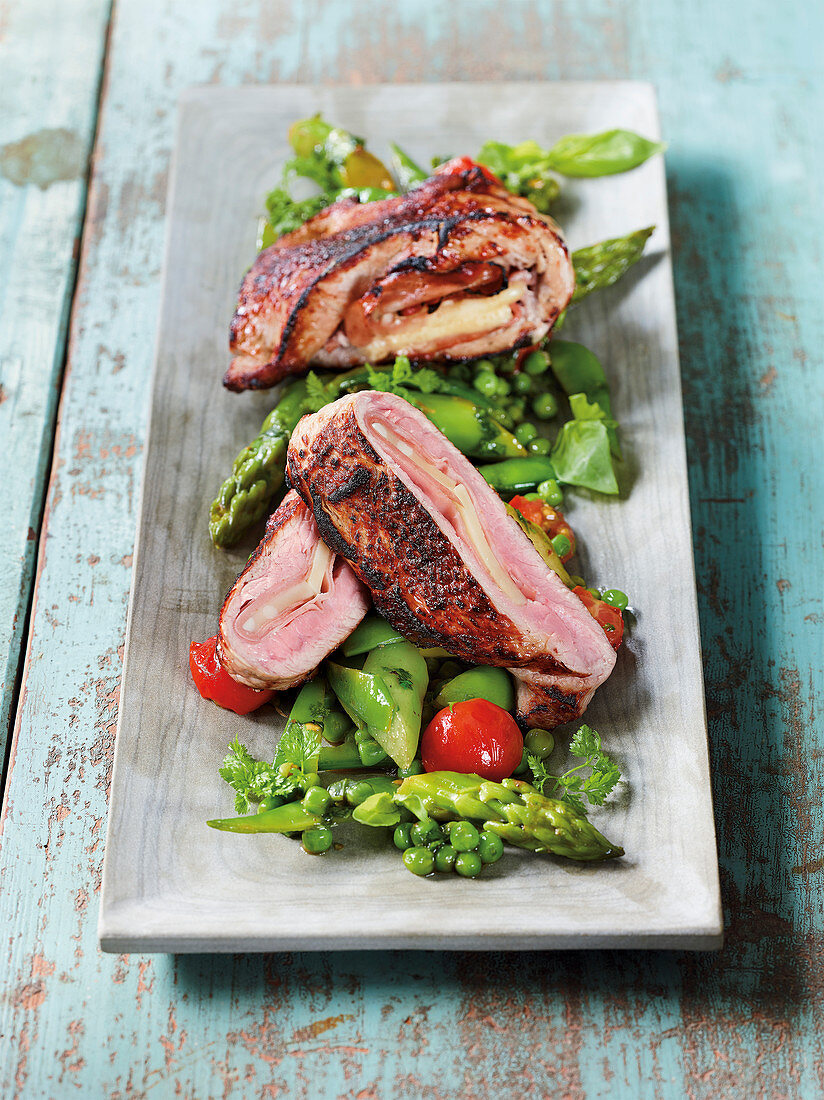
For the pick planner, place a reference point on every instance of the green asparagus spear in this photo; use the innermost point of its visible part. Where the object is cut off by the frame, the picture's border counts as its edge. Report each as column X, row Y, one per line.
column 514, row 810
column 257, row 473
column 600, row 265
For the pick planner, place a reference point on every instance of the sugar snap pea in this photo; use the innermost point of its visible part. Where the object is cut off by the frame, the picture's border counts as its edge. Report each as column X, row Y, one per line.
column 518, row 475
column 402, row 670
column 493, row 684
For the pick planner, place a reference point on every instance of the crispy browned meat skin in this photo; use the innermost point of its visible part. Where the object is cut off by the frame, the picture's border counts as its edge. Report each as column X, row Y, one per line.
column 415, row 574
column 293, row 300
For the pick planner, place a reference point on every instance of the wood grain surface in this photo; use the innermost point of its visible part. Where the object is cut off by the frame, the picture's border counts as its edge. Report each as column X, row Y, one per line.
column 48, row 106
column 741, row 95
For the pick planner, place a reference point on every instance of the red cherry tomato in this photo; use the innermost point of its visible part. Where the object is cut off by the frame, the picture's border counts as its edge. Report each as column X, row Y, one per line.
column 609, row 618
column 213, row 682
column 475, row 737
column 549, row 519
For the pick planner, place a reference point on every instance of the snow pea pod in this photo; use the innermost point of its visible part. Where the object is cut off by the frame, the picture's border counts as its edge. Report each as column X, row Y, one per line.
column 371, row 632
column 518, row 475
column 291, row 817
column 363, row 696
column 400, row 667
column 543, row 544
column 473, row 430
column 482, row 682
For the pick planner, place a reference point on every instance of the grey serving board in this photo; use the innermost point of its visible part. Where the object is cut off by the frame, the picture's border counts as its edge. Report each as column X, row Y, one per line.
column 172, row 884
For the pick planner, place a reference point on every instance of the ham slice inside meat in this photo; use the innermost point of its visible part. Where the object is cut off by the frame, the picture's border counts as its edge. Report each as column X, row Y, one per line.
column 294, row 603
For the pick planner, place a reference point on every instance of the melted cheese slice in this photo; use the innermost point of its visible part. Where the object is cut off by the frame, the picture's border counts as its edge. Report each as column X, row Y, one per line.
column 264, row 617
column 465, row 512
column 452, row 319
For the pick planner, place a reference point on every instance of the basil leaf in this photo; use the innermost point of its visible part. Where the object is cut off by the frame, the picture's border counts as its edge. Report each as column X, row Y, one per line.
column 581, row 456
column 580, row 375
column 605, row 154
column 600, row 265
column 578, row 370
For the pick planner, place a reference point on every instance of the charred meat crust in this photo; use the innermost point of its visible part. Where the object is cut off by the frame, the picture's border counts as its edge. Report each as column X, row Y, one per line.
column 417, row 578
column 547, row 707
column 286, row 298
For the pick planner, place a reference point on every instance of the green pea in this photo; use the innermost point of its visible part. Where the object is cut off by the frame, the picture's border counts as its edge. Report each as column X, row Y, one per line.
column 371, row 753
column 539, row 446
column 522, row 383
column 401, row 838
column 483, row 366
column 616, row 598
column 468, row 864
column 317, row 840
column 316, row 800
column 503, row 388
column 490, row 847
column 487, row 384
column 536, row 363
column 463, row 836
column 550, row 491
column 517, row 411
column 420, row 861
column 539, row 742
column 357, row 791
column 561, row 545
column 525, row 432
column 425, row 832
column 415, row 768
column 270, row 803
column 311, row 779
column 362, row 735
column 445, row 858
column 545, row 406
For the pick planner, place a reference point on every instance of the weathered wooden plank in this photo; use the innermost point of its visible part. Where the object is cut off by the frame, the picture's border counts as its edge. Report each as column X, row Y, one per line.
column 50, row 64
column 740, row 89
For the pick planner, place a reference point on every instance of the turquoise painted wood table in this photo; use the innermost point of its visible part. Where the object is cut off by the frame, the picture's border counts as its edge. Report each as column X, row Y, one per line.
column 87, row 99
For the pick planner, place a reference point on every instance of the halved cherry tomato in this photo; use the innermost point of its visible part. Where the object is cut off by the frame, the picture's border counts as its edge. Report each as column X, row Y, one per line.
column 546, row 517
column 465, row 164
column 607, row 616
column 213, row 682
column 475, row 737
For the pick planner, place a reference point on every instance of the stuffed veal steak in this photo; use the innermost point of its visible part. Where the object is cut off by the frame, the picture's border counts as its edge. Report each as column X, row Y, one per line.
column 446, row 564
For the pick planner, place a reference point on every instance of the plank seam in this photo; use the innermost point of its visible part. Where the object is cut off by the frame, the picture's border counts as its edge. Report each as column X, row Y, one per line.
column 40, row 506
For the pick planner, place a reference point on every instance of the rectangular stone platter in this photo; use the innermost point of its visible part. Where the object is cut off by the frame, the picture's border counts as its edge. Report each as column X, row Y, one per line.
column 171, row 884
